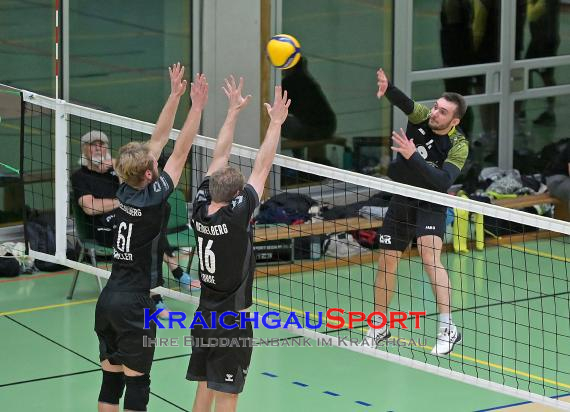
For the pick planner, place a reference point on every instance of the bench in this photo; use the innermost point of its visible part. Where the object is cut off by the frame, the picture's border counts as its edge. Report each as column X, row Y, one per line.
column 276, row 232
column 460, row 236
column 560, row 207
column 282, row 231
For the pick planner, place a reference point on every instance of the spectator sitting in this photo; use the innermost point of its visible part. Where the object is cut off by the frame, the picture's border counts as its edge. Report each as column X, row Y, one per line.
column 95, row 186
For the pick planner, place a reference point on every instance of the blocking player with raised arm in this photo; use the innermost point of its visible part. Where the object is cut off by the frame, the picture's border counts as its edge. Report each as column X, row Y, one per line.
column 223, row 208
column 137, row 250
column 430, row 154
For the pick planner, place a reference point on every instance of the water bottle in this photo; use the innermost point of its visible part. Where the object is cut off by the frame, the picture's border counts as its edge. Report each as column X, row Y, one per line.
column 315, row 247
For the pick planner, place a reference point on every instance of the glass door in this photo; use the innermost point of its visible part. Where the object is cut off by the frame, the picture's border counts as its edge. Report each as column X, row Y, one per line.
column 515, row 82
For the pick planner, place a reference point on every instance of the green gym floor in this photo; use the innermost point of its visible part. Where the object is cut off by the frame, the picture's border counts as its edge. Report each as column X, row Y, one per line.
column 50, row 351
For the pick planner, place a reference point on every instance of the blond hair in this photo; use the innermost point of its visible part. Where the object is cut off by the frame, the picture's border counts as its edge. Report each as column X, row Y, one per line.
column 133, row 162
column 225, row 183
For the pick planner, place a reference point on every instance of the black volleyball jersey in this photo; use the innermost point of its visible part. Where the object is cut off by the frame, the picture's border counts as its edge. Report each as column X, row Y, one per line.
column 433, row 148
column 137, row 248
column 225, row 249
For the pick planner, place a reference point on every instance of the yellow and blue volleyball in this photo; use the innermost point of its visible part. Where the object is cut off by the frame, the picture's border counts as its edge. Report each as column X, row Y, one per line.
column 284, row 51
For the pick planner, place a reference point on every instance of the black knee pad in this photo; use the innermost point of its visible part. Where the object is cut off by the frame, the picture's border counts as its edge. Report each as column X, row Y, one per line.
column 138, row 390
column 112, row 387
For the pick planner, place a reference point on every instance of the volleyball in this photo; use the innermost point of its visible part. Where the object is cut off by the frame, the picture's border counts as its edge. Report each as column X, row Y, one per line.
column 284, row 51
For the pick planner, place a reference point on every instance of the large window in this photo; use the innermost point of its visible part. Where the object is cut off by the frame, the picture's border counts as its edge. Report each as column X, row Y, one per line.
column 338, row 116
column 451, row 33
column 540, row 122
column 27, row 50
column 118, row 57
column 27, row 46
column 458, row 33
column 454, row 33
column 119, row 53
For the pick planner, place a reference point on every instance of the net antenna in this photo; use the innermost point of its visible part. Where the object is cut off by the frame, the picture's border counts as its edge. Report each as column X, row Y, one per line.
column 61, row 48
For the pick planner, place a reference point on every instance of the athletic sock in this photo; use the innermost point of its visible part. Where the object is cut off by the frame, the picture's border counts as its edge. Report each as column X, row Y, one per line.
column 377, row 320
column 445, row 320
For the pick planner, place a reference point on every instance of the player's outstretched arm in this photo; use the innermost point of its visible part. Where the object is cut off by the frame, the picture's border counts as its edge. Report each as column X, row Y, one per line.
column 382, row 82
column 264, row 159
column 416, row 112
column 176, row 161
column 165, row 121
column 394, row 95
column 236, row 102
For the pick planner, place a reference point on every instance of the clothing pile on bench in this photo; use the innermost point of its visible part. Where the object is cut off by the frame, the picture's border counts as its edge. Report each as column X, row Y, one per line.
column 496, row 184
column 295, row 208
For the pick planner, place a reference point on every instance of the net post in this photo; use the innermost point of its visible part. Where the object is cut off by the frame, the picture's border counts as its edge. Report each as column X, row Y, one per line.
column 61, row 179
column 56, row 46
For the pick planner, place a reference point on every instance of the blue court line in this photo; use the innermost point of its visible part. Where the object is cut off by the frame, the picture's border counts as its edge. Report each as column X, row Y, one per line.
column 510, row 405
column 304, row 385
column 363, row 403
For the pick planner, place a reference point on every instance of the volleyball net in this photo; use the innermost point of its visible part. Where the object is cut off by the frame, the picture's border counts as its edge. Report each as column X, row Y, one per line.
column 317, row 248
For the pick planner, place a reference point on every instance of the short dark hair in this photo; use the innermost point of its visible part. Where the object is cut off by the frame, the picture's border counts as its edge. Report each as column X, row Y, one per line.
column 459, row 101
column 225, row 183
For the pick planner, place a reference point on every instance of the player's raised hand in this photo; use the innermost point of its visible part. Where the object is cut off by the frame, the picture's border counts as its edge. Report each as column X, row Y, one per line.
column 177, row 82
column 234, row 94
column 199, row 91
column 278, row 112
column 382, row 83
column 404, row 146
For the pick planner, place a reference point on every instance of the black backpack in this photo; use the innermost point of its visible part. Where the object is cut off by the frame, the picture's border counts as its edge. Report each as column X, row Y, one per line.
column 40, row 237
column 9, row 266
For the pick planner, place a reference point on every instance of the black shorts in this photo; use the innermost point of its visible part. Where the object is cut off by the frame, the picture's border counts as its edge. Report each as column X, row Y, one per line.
column 224, row 367
column 119, row 324
column 409, row 218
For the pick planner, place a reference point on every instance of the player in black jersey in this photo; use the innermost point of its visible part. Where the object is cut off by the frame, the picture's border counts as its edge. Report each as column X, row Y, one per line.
column 223, row 208
column 430, row 154
column 137, row 250
column 95, row 187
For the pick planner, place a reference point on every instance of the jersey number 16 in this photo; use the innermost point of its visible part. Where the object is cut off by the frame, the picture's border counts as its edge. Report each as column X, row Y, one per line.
column 206, row 256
